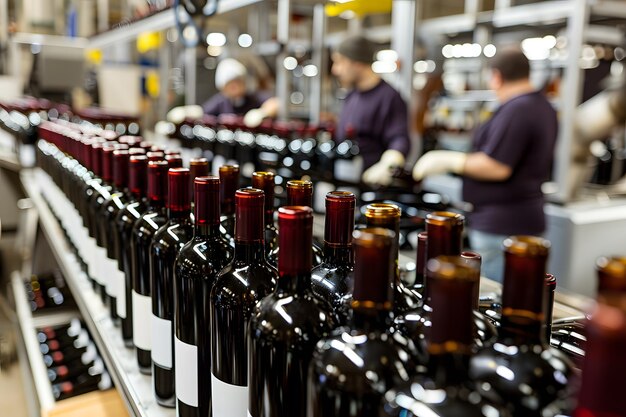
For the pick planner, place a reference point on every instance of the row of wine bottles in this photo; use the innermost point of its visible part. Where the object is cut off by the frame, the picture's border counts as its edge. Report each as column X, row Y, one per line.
column 48, row 291
column 224, row 332
column 72, row 360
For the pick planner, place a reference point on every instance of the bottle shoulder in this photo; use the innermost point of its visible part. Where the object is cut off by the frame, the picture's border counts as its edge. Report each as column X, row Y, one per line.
column 203, row 258
column 172, row 235
column 290, row 318
column 147, row 225
column 239, row 283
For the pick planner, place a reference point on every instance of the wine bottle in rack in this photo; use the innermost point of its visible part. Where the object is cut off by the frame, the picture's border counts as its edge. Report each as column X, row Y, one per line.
column 446, row 389
column 332, row 280
column 166, row 244
column 352, row 369
column 143, row 232
column 286, row 325
column 265, row 181
column 520, row 367
column 115, row 161
column 126, row 218
column 237, row 289
column 195, row 272
column 229, row 183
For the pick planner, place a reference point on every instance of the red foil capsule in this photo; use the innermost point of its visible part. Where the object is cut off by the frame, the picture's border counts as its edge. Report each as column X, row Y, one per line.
column 339, row 223
column 229, row 177
column 249, row 224
column 262, row 180
column 300, row 193
column 137, row 175
column 296, row 234
column 175, row 161
column 120, row 168
column 207, row 196
column 178, row 190
column 374, row 268
column 157, row 181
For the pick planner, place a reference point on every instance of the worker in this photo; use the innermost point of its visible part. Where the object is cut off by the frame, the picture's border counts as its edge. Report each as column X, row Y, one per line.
column 373, row 111
column 511, row 158
column 232, row 98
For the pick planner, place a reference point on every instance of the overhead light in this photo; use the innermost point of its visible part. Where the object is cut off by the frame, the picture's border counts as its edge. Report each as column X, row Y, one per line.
column 216, row 39
column 489, row 50
column 387, row 55
column 310, row 70
column 244, row 40
column 446, row 51
column 420, row 67
column 290, row 63
column 214, row 50
column 384, row 67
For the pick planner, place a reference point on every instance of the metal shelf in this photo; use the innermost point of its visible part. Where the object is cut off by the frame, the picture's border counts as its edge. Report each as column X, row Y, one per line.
column 157, row 22
column 35, row 359
column 134, row 387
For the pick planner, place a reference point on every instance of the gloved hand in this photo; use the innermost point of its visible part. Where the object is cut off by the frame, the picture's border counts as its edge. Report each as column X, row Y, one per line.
column 439, row 162
column 381, row 172
column 178, row 114
column 254, row 117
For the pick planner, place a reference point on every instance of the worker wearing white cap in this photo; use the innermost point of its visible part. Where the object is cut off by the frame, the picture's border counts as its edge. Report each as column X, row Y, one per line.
column 233, row 98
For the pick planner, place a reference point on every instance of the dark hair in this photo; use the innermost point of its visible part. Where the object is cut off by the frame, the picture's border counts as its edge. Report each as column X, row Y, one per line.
column 358, row 48
column 511, row 63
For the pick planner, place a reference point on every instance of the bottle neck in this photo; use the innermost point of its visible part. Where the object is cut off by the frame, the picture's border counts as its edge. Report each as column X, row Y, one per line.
column 205, row 230
column 338, row 255
column 370, row 318
column 450, row 368
column 522, row 329
column 294, row 283
column 179, row 215
column 156, row 204
column 269, row 218
column 249, row 252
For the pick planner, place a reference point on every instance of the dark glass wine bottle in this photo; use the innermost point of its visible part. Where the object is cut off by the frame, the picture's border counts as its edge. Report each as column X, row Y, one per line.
column 235, row 293
column 229, row 183
column 286, row 325
column 126, row 218
column 520, row 367
column 265, row 181
column 420, row 262
column 568, row 334
column 101, row 193
column 444, row 237
column 299, row 193
column 142, row 234
column 604, row 369
column 387, row 216
column 116, row 176
column 332, row 280
column 166, row 244
column 195, row 272
column 354, row 367
column 446, row 390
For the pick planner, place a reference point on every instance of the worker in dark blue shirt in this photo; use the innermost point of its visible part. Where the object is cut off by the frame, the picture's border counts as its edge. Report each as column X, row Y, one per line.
column 511, row 158
column 373, row 111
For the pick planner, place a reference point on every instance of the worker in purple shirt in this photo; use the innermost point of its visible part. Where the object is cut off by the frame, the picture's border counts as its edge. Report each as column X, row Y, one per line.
column 234, row 98
column 373, row 111
column 511, row 158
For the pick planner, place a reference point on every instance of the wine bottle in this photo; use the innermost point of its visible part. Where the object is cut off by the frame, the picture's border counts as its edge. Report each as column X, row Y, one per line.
column 126, row 218
column 520, row 366
column 446, row 389
column 237, row 289
column 229, row 183
column 166, row 244
column 195, row 271
column 101, row 193
column 604, row 369
column 332, row 280
column 387, row 216
column 354, row 367
column 420, row 262
column 286, row 325
column 143, row 232
column 265, row 181
column 299, row 193
column 444, row 237
column 117, row 162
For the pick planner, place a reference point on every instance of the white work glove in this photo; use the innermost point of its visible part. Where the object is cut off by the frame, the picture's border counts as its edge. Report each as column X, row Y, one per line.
column 381, row 172
column 179, row 114
column 254, row 117
column 439, row 162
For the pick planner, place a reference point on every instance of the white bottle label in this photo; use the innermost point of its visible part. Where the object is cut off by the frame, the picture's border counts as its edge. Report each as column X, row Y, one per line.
column 186, row 360
column 161, row 342
column 142, row 308
column 120, row 277
column 228, row 400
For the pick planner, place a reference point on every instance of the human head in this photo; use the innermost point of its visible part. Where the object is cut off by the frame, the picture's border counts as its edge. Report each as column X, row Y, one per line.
column 509, row 65
column 352, row 60
column 230, row 78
